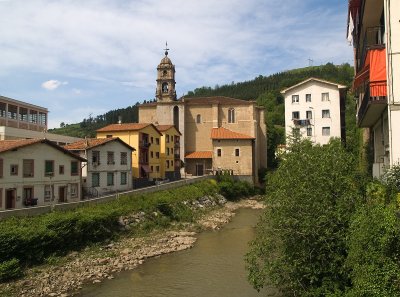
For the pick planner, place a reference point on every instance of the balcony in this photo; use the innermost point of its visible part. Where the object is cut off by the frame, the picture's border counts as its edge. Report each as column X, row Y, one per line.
column 144, row 143
column 372, row 105
column 301, row 123
column 373, row 39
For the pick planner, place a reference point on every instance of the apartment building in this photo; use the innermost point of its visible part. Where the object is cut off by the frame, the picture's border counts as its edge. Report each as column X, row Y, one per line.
column 374, row 30
column 170, row 152
column 315, row 109
column 37, row 172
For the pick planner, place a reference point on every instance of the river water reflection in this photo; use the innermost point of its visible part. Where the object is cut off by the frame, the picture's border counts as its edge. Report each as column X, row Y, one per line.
column 214, row 267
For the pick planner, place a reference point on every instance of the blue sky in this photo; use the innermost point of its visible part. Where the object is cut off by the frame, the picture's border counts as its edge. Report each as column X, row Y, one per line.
column 78, row 58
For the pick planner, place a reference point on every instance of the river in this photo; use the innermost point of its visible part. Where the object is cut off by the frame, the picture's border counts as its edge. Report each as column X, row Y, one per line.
column 214, row 267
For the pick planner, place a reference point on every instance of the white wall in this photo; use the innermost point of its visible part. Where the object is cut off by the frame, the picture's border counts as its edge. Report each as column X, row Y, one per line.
column 315, row 106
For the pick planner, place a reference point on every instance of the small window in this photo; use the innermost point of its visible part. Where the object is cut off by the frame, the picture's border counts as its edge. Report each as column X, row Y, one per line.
column 124, row 158
column 325, row 97
column 157, row 168
column 237, row 152
column 151, row 154
column 167, row 138
column 309, row 114
column 295, row 115
column 157, row 141
column 295, row 99
column 49, row 168
column 48, row 192
column 123, row 178
column 326, row 131
column 167, row 163
column 308, row 97
column 95, row 157
column 110, row 158
column 167, row 151
column 326, row 113
column 231, row 115
column 151, row 168
column 28, row 166
column 309, row 131
column 95, row 179
column 151, row 139
column 13, row 169
column 74, row 168
column 172, row 151
column 219, row 152
column 165, row 87
column 157, row 155
column 61, row 169
column 74, row 190
column 198, row 119
column 172, row 163
column 110, row 178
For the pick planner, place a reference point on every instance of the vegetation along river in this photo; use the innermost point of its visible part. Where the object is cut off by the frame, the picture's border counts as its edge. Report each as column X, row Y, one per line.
column 213, row 267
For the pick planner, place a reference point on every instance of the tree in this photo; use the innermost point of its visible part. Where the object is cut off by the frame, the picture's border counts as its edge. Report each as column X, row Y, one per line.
column 300, row 244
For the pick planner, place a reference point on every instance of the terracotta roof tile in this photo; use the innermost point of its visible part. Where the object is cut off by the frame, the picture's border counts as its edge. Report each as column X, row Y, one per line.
column 217, row 100
column 123, row 127
column 199, row 155
column 163, row 128
column 223, row 133
column 90, row 143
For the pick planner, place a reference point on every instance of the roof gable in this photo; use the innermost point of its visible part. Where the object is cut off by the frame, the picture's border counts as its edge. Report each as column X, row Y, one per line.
column 223, row 133
column 90, row 143
column 126, row 127
column 316, row 80
column 165, row 128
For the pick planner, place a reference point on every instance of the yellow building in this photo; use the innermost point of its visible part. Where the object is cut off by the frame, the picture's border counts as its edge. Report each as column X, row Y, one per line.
column 146, row 139
column 170, row 151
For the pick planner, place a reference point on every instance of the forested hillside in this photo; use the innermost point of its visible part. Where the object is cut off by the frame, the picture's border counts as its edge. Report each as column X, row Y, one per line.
column 264, row 89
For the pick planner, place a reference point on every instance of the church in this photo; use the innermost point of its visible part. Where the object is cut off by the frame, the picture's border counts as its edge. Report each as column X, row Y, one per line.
column 219, row 134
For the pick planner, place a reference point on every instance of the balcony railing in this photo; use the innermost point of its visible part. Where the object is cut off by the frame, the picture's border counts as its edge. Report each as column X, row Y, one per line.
column 373, row 37
column 302, row 123
column 373, row 103
column 144, row 143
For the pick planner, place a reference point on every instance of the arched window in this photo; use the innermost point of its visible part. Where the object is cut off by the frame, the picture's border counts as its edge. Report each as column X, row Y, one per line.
column 231, row 115
column 198, row 119
column 176, row 117
column 165, row 87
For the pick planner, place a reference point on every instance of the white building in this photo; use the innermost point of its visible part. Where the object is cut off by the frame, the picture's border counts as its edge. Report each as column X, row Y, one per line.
column 109, row 166
column 374, row 30
column 315, row 108
column 37, row 172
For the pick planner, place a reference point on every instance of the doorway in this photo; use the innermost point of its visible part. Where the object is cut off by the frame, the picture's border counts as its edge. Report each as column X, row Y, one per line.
column 199, row 169
column 10, row 198
column 62, row 194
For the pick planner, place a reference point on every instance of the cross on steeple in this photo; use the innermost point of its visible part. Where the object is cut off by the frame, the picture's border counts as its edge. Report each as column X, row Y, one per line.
column 166, row 48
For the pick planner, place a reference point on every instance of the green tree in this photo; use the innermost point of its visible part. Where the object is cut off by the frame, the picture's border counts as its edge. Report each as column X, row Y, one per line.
column 300, row 245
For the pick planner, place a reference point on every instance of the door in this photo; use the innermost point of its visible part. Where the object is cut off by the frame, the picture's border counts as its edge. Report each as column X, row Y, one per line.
column 10, row 198
column 62, row 194
column 199, row 169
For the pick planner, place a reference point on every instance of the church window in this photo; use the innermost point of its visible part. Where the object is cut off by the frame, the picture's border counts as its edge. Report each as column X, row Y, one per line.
column 165, row 87
column 231, row 115
column 164, row 73
column 198, row 119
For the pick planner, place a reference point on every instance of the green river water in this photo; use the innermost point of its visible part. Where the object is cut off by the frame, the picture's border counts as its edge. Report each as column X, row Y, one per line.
column 214, row 267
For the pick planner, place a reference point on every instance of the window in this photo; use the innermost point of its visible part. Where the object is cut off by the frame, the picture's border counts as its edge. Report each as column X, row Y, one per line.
column 308, row 97
column 1, row 168
column 48, row 192
column 123, row 178
column 74, row 190
column 167, row 138
column 219, row 152
column 295, row 115
column 325, row 97
column 109, row 136
column 165, row 87
column 124, row 158
column 27, row 193
column 157, row 155
column 61, row 169
column 309, row 131
column 96, row 157
column 27, row 167
column 110, row 158
column 309, row 114
column 151, row 168
column 157, row 168
column 74, row 168
column 151, row 139
column 110, row 178
column 167, row 163
column 198, row 119
column 237, row 152
column 231, row 115
column 49, row 168
column 151, row 154
column 172, row 163
column 295, row 99
column 172, row 151
column 13, row 169
column 95, row 179
column 326, row 131
column 167, row 151
column 157, row 141
column 326, row 113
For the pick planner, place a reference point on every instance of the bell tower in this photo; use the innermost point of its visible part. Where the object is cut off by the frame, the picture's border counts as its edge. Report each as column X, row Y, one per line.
column 165, row 91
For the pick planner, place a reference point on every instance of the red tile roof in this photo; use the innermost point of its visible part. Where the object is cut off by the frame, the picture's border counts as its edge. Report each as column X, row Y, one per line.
column 124, row 127
column 199, row 155
column 9, row 145
column 217, row 100
column 223, row 133
column 90, row 143
column 163, row 128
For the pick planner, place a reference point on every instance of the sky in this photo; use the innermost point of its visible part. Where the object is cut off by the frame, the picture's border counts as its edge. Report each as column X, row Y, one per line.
column 80, row 58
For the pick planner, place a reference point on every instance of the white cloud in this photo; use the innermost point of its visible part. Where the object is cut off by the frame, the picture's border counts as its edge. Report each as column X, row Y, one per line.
column 53, row 84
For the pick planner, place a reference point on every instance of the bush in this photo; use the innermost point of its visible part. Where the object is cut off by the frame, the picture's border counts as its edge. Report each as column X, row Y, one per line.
column 391, row 178
column 234, row 190
column 10, row 270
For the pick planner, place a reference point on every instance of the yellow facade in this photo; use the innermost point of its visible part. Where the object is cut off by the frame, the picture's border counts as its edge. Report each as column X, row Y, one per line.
column 169, row 151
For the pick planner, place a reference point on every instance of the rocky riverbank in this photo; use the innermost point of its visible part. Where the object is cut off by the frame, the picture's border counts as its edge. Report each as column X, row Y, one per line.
column 98, row 263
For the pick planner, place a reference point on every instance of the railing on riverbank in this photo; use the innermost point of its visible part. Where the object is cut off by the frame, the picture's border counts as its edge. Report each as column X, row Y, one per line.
column 33, row 211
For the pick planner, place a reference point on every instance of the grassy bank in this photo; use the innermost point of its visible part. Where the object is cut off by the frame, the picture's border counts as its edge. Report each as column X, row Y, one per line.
column 26, row 242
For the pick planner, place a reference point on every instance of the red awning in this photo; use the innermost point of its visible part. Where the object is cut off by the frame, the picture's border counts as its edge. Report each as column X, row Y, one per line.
column 146, row 168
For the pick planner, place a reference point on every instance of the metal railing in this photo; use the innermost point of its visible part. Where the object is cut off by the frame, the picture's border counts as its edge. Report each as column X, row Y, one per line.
column 373, row 37
column 372, row 94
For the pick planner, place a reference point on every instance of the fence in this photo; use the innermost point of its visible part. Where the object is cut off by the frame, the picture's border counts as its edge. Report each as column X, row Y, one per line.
column 33, row 211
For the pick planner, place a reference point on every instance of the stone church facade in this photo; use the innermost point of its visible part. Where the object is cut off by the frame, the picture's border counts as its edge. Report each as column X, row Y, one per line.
column 218, row 133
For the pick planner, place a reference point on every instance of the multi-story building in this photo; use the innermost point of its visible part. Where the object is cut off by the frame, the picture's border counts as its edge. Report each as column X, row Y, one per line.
column 374, row 31
column 145, row 138
column 315, row 109
column 196, row 118
column 109, row 165
column 37, row 172
column 169, row 152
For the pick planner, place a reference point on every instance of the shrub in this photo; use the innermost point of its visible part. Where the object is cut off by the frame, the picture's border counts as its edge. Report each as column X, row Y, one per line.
column 10, row 270
column 391, row 178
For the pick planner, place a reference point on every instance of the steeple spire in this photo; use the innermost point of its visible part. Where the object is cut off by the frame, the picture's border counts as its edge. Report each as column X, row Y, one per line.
column 166, row 48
